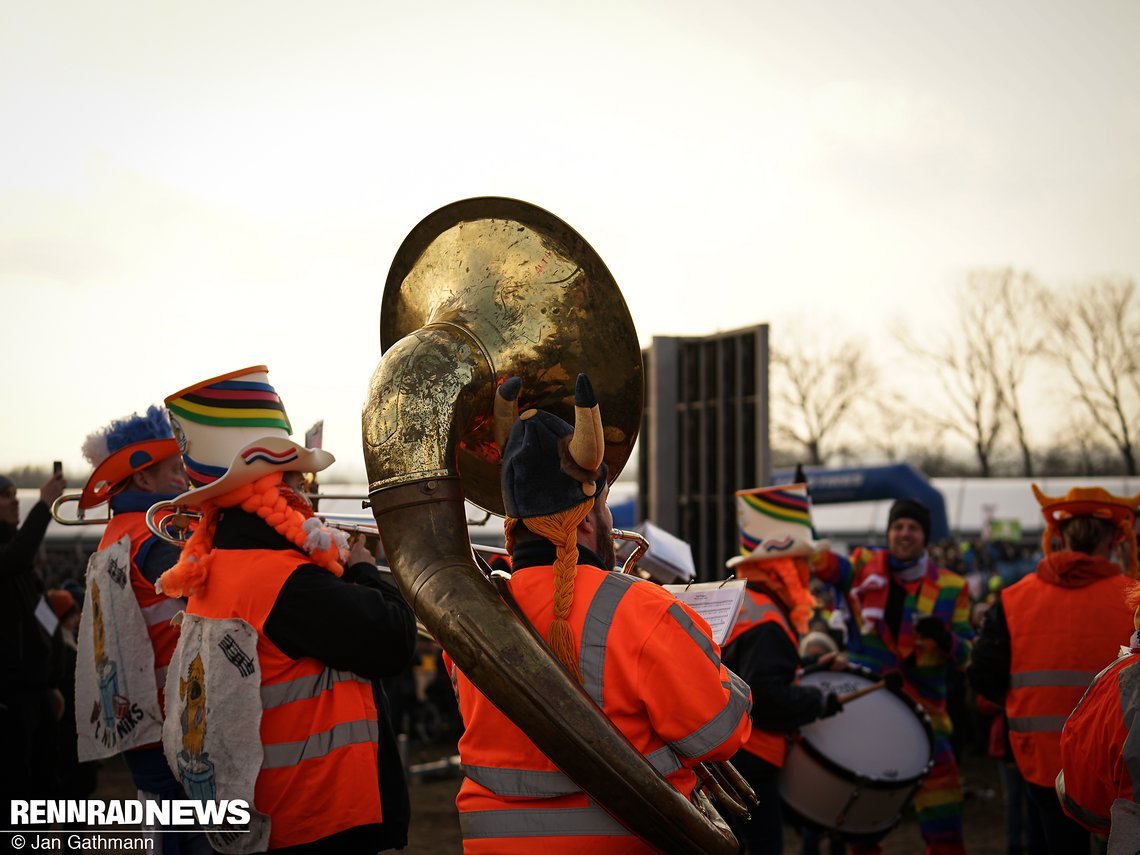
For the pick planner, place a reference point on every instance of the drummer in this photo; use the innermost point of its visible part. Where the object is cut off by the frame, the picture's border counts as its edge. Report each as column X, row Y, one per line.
column 913, row 617
column 775, row 540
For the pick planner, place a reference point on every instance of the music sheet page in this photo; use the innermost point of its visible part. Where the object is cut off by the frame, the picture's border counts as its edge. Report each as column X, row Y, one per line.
column 717, row 602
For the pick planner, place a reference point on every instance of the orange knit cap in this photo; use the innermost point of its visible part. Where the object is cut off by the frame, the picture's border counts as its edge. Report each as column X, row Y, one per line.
column 61, row 602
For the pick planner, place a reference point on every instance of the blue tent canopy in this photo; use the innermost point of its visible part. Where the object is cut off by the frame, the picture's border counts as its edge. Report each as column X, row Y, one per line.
column 870, row 483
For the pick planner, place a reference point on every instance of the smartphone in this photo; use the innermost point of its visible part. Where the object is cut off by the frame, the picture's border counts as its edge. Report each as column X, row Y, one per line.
column 57, row 468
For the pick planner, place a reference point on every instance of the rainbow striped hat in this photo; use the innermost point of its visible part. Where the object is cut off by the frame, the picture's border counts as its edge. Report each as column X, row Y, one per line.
column 774, row 522
column 231, row 431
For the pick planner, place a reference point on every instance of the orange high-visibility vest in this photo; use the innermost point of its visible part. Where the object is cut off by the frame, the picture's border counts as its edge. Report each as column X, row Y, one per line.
column 756, row 609
column 1099, row 758
column 157, row 610
column 650, row 663
column 319, row 730
column 1060, row 638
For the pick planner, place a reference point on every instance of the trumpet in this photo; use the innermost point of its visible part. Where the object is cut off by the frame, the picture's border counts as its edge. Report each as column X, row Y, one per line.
column 80, row 517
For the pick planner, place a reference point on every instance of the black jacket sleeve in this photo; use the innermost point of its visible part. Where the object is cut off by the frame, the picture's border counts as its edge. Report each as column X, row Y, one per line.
column 988, row 671
column 160, row 557
column 19, row 553
column 357, row 623
column 767, row 660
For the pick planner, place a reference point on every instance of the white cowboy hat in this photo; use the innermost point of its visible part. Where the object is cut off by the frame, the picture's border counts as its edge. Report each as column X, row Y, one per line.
column 231, row 431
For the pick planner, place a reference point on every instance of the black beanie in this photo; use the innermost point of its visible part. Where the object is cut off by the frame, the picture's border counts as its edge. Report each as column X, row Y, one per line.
column 911, row 509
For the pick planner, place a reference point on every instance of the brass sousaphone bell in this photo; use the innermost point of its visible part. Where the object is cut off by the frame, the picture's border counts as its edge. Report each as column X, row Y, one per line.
column 481, row 290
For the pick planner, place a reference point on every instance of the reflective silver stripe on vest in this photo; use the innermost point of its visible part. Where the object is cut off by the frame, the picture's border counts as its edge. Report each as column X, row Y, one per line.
column 702, row 641
column 664, row 760
column 284, row 754
column 595, row 630
column 739, row 687
column 1129, row 683
column 544, row 784
column 163, row 611
column 309, row 686
column 539, row 822
column 1037, row 724
column 1085, row 817
column 1051, row 679
column 756, row 612
column 528, row 783
column 712, row 735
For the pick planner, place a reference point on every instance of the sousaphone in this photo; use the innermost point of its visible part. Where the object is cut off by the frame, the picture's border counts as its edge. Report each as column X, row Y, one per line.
column 479, row 291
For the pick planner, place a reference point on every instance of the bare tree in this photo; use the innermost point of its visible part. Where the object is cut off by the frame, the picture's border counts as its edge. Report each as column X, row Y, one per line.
column 1008, row 305
column 973, row 406
column 1095, row 329
column 893, row 430
column 814, row 390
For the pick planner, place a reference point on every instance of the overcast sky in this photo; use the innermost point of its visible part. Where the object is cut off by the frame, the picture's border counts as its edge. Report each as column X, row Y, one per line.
column 187, row 189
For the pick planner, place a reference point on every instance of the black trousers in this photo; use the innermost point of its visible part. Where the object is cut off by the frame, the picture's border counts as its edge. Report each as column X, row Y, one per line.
column 763, row 834
column 1063, row 836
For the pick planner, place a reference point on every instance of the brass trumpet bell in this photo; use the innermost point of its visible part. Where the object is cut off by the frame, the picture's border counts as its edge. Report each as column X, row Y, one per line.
column 528, row 297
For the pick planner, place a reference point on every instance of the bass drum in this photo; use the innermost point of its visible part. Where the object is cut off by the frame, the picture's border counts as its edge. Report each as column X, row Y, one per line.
column 856, row 771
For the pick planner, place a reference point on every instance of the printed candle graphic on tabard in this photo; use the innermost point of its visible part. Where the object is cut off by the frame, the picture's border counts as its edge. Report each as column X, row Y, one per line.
column 110, row 702
column 194, row 765
column 115, row 683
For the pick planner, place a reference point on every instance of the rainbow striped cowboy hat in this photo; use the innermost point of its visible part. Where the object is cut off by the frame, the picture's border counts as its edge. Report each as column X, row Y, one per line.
column 231, row 431
column 774, row 522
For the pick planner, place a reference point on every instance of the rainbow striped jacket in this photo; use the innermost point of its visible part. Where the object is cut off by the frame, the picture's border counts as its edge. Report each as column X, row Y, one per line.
column 940, row 593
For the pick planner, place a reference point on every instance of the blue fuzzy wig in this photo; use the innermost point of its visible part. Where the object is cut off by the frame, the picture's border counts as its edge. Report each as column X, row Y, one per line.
column 126, row 431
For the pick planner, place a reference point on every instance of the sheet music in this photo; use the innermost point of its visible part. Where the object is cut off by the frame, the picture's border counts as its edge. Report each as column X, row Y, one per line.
column 717, row 602
column 46, row 616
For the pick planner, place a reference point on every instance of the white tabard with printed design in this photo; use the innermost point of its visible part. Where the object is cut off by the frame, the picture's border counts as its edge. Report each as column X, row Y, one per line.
column 116, row 696
column 212, row 735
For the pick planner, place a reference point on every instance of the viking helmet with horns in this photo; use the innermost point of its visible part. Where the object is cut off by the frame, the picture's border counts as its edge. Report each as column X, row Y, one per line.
column 548, row 466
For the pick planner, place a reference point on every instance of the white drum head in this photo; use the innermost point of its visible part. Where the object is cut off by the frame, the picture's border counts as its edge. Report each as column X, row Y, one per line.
column 878, row 736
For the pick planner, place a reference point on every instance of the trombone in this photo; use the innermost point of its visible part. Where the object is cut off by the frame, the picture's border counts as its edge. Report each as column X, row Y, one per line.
column 366, row 524
column 175, row 525
column 80, row 517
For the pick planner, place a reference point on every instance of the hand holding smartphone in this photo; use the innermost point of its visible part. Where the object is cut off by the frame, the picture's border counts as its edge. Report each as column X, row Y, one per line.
column 53, row 489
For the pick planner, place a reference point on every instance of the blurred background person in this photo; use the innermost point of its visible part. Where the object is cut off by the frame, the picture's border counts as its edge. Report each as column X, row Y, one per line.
column 1047, row 635
column 1099, row 782
column 76, row 780
column 30, row 700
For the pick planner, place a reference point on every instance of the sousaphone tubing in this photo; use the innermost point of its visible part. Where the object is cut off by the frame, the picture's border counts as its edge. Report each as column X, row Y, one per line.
column 482, row 290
